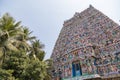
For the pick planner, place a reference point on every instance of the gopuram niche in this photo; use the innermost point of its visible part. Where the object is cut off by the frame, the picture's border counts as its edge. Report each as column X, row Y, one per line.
column 88, row 48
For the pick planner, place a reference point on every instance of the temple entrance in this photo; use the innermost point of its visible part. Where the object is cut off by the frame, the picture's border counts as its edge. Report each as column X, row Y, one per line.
column 76, row 69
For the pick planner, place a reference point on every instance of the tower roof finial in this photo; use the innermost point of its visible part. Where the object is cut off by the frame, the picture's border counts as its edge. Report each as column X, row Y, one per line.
column 90, row 6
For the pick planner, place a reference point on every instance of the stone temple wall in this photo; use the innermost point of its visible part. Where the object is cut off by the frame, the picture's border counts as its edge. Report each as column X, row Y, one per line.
column 89, row 43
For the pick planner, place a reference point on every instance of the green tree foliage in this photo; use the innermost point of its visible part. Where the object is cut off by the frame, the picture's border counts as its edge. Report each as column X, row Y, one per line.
column 21, row 55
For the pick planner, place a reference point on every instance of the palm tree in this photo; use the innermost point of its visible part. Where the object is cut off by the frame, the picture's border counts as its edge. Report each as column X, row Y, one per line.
column 8, row 30
column 38, row 53
column 13, row 36
column 36, row 50
column 15, row 39
column 22, row 40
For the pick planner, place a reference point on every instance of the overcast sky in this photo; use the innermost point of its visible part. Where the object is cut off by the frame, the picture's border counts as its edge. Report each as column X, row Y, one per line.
column 45, row 17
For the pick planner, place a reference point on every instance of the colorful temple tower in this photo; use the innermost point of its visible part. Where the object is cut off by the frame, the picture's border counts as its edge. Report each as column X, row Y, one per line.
column 88, row 47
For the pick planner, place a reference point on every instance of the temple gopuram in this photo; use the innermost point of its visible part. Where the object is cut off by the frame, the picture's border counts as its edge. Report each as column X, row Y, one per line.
column 88, row 48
